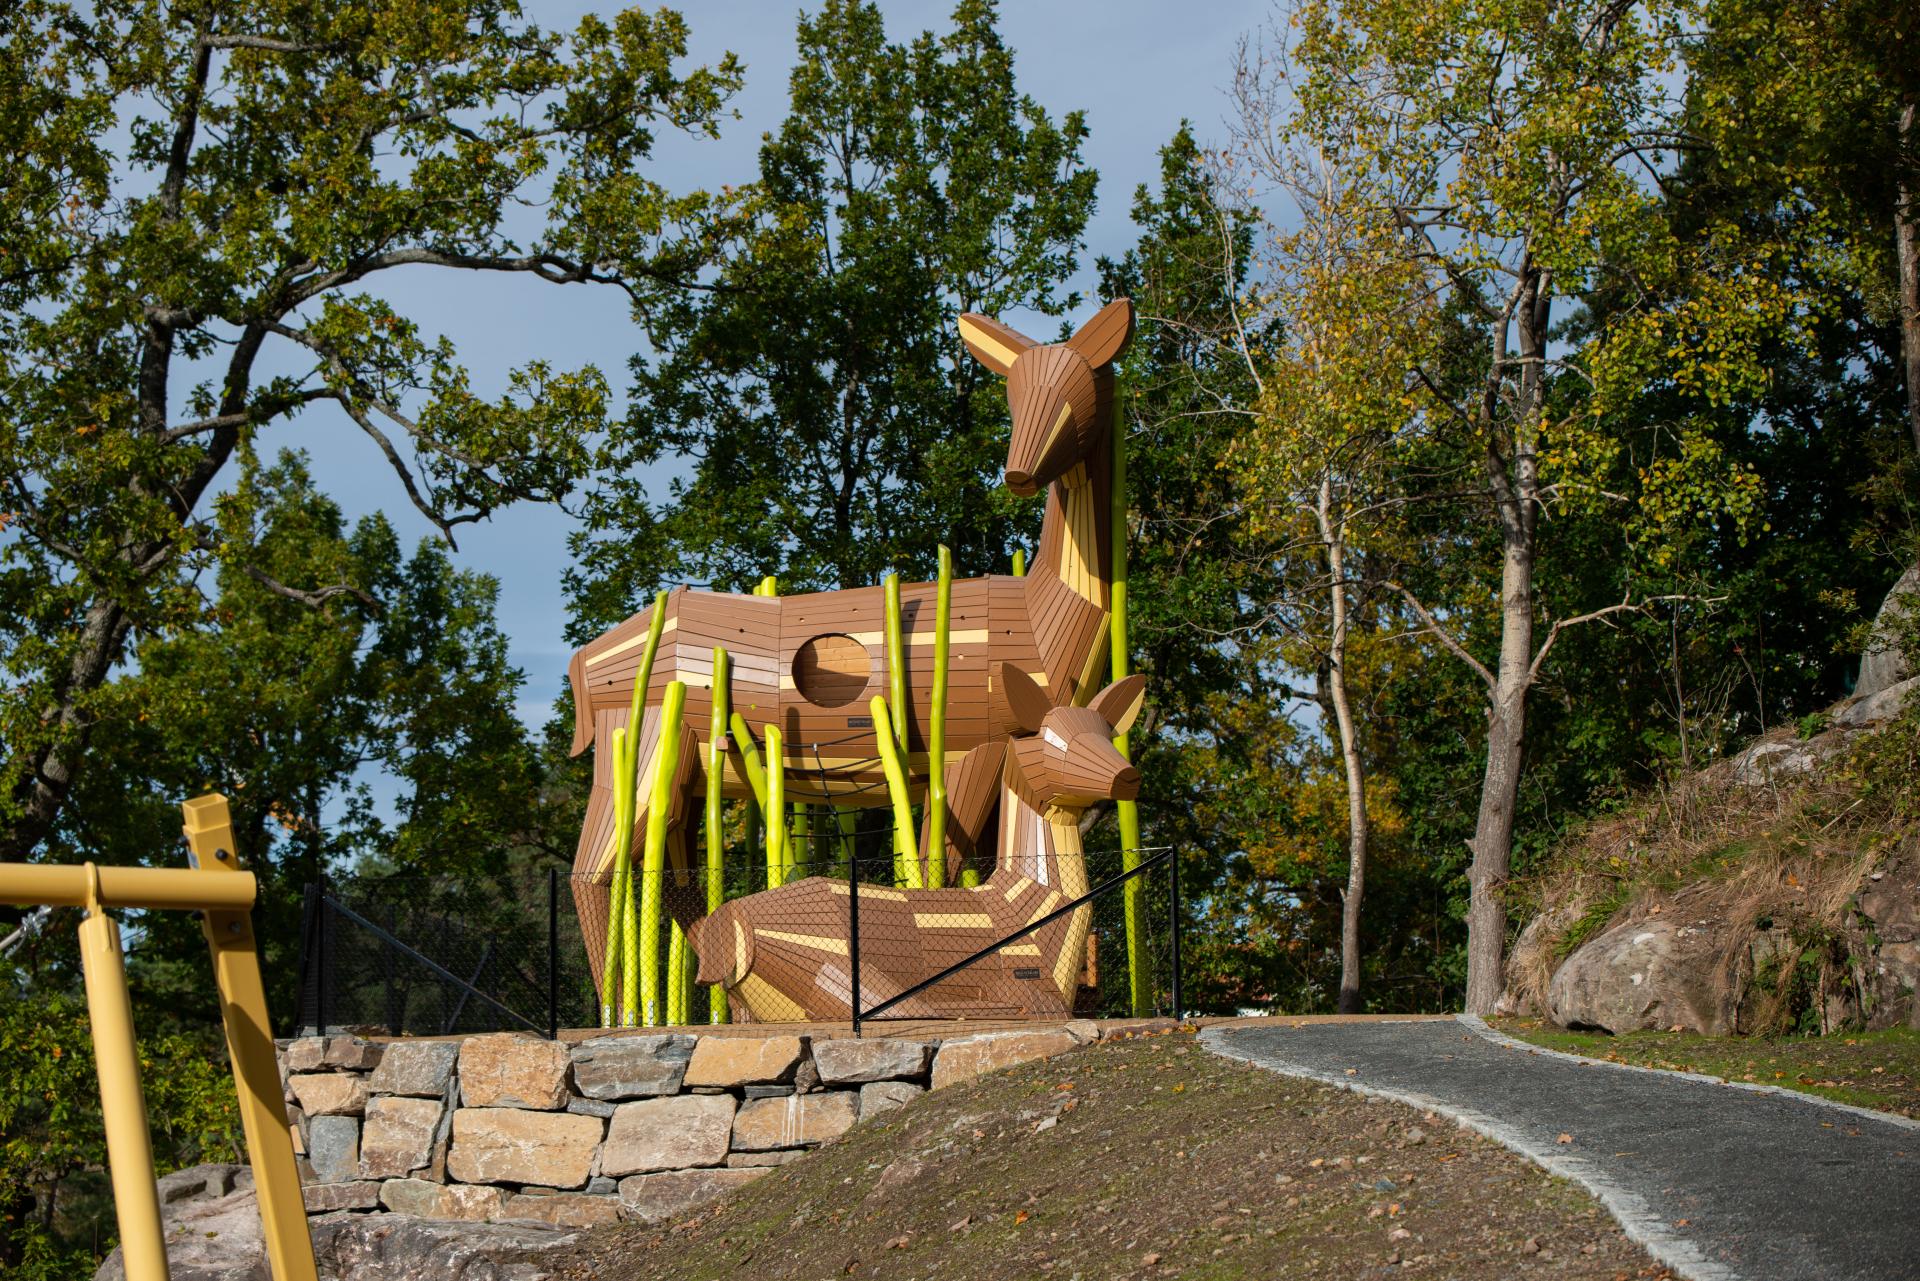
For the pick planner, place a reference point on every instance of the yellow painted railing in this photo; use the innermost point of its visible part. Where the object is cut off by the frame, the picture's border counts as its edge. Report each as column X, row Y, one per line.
column 224, row 895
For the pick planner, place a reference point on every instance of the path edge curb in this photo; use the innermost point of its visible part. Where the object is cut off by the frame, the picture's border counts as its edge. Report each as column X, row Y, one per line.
column 1481, row 1027
column 1643, row 1227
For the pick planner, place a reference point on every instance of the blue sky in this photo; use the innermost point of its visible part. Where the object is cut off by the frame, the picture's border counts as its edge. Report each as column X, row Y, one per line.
column 1136, row 68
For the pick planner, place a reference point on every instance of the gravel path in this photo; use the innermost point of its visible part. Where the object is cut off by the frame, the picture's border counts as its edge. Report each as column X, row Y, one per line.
column 1716, row 1181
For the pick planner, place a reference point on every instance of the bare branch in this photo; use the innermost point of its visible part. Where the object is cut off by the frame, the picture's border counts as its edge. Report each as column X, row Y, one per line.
column 315, row 598
column 1431, row 626
column 1625, row 606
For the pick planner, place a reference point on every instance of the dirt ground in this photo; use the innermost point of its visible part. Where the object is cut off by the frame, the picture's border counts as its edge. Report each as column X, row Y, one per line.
column 1879, row 1070
column 1142, row 1157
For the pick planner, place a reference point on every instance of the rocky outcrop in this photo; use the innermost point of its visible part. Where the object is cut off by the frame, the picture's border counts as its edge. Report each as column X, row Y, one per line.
column 1888, row 908
column 1648, row 974
column 1884, row 665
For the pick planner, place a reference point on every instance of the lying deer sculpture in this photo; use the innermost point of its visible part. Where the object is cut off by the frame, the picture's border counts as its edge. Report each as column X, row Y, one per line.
column 809, row 664
column 783, row 953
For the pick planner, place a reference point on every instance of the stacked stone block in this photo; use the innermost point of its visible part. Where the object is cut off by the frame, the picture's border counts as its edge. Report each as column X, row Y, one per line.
column 507, row 1127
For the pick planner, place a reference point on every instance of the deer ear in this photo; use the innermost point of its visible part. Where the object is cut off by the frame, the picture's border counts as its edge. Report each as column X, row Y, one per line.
column 1119, row 703
column 993, row 344
column 1026, row 700
column 1104, row 337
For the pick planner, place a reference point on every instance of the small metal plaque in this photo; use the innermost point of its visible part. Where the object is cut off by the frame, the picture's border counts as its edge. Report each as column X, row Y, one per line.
column 1027, row 972
column 859, row 722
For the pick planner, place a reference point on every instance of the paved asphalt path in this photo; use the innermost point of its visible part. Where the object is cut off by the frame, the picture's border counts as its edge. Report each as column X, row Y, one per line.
column 1715, row 1180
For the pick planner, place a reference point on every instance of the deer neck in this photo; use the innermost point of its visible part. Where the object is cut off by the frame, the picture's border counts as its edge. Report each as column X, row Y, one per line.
column 1070, row 587
column 1041, row 843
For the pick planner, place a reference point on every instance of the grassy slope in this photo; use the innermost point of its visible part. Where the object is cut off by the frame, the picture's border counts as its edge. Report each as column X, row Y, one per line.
column 1144, row 1157
column 1879, row 1070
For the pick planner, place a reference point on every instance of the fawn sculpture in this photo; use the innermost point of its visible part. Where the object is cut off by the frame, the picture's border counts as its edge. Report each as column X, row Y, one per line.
column 808, row 664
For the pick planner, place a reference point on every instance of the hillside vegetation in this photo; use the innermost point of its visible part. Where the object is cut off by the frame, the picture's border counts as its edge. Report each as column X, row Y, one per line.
column 1772, row 892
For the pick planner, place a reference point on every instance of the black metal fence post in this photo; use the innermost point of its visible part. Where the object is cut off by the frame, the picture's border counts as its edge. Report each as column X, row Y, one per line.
column 853, row 936
column 320, row 987
column 1173, row 913
column 553, row 954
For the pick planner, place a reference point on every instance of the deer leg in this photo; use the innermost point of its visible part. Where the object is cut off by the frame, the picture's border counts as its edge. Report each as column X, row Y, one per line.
column 973, row 789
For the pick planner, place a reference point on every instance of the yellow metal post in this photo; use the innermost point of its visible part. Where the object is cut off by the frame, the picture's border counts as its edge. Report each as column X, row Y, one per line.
column 256, row 1077
column 136, row 1200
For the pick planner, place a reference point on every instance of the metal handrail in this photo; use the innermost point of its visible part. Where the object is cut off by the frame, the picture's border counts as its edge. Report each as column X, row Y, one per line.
column 1164, row 855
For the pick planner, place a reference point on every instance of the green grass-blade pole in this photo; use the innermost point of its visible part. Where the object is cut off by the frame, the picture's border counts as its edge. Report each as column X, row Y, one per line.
column 906, row 855
column 676, row 975
column 776, row 809
column 1139, row 982
column 848, row 822
column 654, row 864
column 716, row 825
column 896, row 662
column 629, row 913
column 1019, row 562
column 622, row 862
column 800, row 847
column 937, row 729
column 749, row 758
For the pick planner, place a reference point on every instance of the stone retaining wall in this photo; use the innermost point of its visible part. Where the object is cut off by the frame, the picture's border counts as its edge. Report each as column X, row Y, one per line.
column 507, row 1127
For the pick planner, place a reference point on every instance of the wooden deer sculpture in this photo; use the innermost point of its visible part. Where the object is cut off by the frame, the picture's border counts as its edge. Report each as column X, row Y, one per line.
column 782, row 954
column 809, row 664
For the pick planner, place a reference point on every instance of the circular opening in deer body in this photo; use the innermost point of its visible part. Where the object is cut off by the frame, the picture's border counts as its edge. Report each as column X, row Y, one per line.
column 832, row 670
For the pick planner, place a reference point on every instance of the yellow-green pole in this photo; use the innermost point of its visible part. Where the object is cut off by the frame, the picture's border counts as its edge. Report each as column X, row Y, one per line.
column 136, row 1201
column 716, row 828
column 776, row 809
column 626, row 783
column 896, row 662
column 897, row 723
column 654, row 863
column 1139, row 982
column 611, row 962
column 749, row 757
column 906, row 858
column 256, row 1076
column 937, row 728
column 1019, row 562
column 847, row 821
column 676, row 975
column 629, row 908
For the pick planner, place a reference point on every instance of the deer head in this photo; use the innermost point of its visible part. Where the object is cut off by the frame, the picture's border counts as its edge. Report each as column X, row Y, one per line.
column 1066, row 755
column 1054, row 390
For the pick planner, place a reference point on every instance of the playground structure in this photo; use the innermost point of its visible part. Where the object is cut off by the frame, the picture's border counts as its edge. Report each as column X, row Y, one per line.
column 875, row 698
column 214, row 886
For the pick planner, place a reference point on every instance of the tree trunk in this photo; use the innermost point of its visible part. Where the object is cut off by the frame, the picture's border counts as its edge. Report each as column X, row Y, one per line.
column 1336, row 697
column 1515, row 487
column 1906, row 233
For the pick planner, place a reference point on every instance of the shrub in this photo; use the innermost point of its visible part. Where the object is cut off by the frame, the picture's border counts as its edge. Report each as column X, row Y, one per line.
column 56, row 1216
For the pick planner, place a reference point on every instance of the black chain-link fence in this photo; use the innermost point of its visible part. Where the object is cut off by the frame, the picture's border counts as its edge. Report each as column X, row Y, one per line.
column 437, row 956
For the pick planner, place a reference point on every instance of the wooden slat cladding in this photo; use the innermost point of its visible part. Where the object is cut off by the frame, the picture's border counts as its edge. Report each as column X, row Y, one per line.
column 811, row 663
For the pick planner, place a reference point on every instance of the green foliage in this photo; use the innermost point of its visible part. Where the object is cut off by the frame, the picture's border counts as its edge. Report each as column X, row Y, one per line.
column 815, row 389
column 54, row 1208
column 198, row 189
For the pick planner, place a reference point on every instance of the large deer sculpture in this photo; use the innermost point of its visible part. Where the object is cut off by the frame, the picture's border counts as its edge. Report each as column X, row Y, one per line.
column 809, row 664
